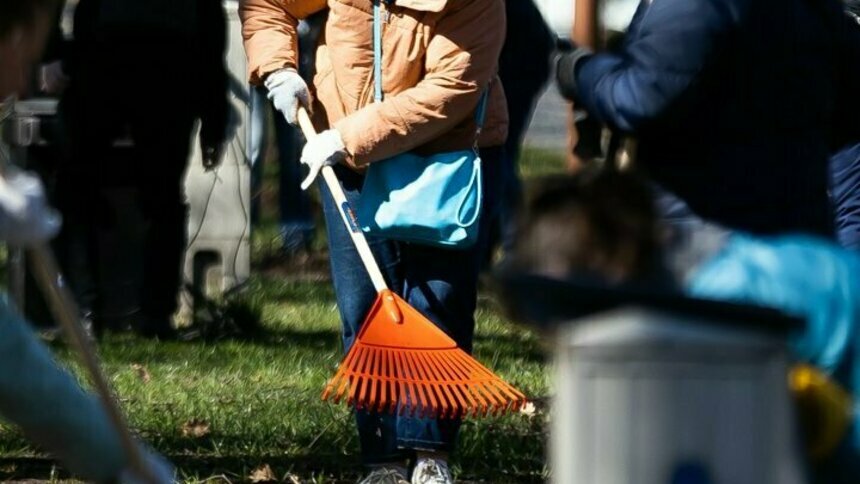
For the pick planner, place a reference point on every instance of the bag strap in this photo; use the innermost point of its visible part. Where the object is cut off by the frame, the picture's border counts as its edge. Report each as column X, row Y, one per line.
column 476, row 180
column 378, row 93
column 377, row 51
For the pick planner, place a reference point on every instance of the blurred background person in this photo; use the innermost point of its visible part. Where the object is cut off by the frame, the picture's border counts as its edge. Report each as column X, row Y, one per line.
column 602, row 227
column 524, row 68
column 845, row 168
column 139, row 75
column 733, row 110
column 35, row 394
column 295, row 220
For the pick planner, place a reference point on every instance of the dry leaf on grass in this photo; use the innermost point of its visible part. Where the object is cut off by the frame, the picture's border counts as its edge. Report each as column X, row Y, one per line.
column 141, row 372
column 263, row 474
column 195, row 428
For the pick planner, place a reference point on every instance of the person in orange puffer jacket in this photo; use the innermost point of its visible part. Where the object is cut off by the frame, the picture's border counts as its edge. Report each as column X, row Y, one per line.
column 439, row 56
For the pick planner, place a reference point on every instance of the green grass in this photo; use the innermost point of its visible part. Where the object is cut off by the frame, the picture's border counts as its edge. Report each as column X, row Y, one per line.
column 539, row 162
column 261, row 397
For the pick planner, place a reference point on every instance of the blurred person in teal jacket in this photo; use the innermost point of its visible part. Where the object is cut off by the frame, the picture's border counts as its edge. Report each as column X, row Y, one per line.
column 35, row 394
column 602, row 226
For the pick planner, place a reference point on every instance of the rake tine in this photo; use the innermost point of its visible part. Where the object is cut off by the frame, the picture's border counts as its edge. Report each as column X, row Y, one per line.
column 346, row 383
column 335, row 394
column 347, row 362
column 335, row 387
column 511, row 393
column 460, row 387
column 447, row 375
column 346, row 376
column 496, row 399
column 420, row 385
column 383, row 385
column 463, row 367
column 477, row 402
column 477, row 394
column 330, row 389
column 413, row 385
column 373, row 378
column 455, row 373
column 359, row 381
column 449, row 378
column 461, row 403
column 424, row 384
column 443, row 404
column 406, row 384
column 374, row 375
column 431, row 377
column 490, row 397
column 396, row 389
column 470, row 366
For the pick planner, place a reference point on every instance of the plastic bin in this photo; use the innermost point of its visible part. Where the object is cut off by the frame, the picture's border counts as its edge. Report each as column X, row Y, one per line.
column 661, row 389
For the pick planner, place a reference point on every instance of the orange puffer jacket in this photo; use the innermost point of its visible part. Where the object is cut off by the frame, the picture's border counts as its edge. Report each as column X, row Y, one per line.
column 438, row 57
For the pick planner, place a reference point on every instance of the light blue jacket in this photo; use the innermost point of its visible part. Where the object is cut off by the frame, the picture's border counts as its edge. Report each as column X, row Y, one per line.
column 799, row 275
column 50, row 407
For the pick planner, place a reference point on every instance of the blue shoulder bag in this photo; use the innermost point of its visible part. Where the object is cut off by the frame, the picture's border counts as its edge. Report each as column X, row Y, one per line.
column 433, row 200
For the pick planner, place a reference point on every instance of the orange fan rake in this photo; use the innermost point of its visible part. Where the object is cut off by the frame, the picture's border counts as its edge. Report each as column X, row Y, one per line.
column 400, row 360
column 416, row 366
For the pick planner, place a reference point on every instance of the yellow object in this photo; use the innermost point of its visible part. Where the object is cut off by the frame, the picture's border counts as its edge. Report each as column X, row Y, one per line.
column 825, row 409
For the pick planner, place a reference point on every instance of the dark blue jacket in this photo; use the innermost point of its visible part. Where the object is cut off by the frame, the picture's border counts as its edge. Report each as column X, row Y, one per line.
column 736, row 104
column 845, row 194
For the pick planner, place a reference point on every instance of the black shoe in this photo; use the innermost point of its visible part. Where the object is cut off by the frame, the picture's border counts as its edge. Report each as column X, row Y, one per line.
column 92, row 331
column 152, row 327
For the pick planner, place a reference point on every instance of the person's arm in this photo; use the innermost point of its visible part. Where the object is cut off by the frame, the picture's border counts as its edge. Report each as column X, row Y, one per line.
column 270, row 35
column 846, row 130
column 673, row 45
column 461, row 60
column 52, row 410
column 214, row 102
column 50, row 407
column 55, row 49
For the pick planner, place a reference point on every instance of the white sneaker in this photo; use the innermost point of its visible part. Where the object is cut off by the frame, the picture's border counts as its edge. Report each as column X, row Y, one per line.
column 386, row 475
column 429, row 470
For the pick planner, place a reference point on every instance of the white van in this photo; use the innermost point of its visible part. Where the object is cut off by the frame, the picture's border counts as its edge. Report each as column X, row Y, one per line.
column 558, row 14
column 615, row 15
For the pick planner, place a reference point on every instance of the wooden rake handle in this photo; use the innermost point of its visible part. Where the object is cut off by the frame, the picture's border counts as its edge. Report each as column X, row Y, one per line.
column 351, row 223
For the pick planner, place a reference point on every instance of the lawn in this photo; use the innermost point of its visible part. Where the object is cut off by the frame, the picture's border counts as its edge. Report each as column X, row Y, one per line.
column 222, row 409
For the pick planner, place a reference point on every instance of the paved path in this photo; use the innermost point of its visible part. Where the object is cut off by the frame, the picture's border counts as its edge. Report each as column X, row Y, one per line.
column 548, row 129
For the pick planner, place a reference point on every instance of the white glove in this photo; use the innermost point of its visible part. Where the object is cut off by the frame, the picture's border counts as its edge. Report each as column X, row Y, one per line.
column 160, row 470
column 287, row 90
column 324, row 149
column 25, row 216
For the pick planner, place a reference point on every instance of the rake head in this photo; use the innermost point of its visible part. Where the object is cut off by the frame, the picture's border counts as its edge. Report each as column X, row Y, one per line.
column 401, row 362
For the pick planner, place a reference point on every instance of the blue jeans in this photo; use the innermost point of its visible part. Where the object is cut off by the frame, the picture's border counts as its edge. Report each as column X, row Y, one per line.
column 521, row 95
column 439, row 283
